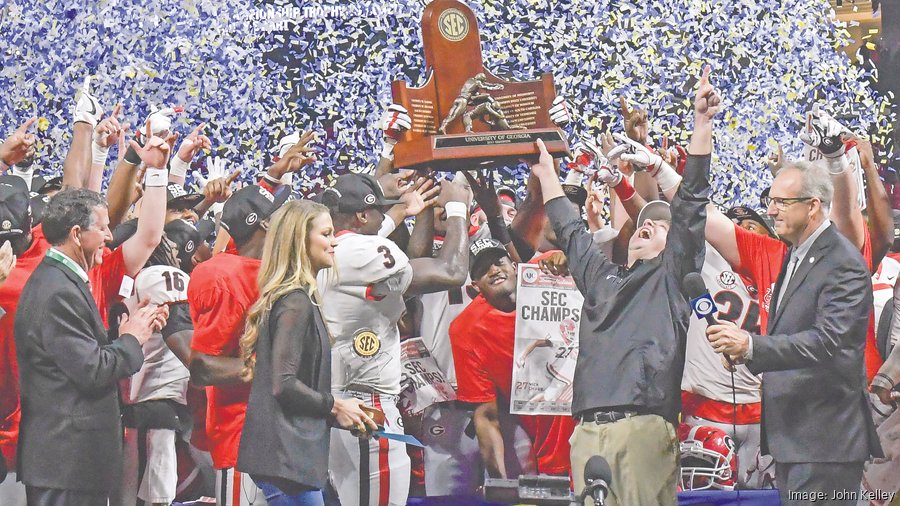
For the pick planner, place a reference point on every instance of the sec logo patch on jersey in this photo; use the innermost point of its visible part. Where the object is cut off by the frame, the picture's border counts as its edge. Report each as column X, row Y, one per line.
column 366, row 343
column 727, row 280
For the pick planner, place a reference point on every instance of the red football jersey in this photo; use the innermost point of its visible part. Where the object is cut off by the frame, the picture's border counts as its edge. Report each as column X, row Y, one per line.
column 106, row 280
column 761, row 259
column 483, row 342
column 220, row 293
column 10, row 291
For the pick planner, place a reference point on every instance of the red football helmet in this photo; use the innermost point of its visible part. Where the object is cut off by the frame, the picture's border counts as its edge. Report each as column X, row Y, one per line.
column 708, row 458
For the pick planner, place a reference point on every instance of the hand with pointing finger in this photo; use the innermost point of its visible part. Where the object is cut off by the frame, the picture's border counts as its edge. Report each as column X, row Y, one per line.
column 18, row 146
column 219, row 189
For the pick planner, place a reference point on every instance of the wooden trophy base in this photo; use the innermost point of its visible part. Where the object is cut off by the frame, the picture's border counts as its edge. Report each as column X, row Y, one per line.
column 481, row 150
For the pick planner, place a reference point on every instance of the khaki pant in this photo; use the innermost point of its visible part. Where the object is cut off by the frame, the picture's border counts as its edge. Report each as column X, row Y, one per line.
column 642, row 452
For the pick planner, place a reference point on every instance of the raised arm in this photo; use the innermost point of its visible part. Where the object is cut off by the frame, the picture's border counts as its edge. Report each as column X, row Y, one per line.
column 685, row 246
column 486, row 195
column 450, row 267
column 87, row 113
column 585, row 259
column 18, row 146
column 823, row 133
column 138, row 248
column 881, row 219
column 190, row 146
column 105, row 135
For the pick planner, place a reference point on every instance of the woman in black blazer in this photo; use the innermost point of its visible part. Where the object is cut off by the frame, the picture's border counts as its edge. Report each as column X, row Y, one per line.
column 287, row 353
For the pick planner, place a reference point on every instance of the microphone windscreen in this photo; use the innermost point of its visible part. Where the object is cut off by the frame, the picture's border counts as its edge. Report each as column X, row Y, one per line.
column 597, row 468
column 693, row 285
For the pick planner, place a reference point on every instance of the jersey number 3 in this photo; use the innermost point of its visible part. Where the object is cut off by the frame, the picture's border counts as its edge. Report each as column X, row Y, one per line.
column 388, row 258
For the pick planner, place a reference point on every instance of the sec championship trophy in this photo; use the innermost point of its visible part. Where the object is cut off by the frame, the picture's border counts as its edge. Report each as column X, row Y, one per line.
column 464, row 117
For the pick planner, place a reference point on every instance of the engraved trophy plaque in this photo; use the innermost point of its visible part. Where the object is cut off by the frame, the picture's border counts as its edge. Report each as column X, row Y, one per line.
column 464, row 117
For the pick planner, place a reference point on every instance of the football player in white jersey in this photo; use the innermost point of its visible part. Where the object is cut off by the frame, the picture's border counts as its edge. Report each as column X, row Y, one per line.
column 155, row 397
column 706, row 386
column 362, row 302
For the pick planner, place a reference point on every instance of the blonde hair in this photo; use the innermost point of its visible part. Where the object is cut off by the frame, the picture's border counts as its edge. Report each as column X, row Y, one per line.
column 285, row 267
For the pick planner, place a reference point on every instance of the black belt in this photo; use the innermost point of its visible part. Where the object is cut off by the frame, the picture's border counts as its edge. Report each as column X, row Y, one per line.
column 602, row 416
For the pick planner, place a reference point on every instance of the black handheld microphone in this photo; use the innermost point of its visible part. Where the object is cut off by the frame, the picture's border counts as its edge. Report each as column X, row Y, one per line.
column 704, row 307
column 597, row 476
column 702, row 302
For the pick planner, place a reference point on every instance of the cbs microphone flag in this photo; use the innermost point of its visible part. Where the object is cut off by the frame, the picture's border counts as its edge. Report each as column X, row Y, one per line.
column 548, row 316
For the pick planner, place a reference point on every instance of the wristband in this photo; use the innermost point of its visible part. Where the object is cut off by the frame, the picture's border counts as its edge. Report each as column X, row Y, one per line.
column 131, row 155
column 387, row 226
column 387, row 149
column 456, row 210
column 883, row 380
column 666, row 177
column 624, row 190
column 156, row 177
column 3, row 165
column 573, row 177
column 178, row 167
column 272, row 181
column 98, row 154
column 838, row 164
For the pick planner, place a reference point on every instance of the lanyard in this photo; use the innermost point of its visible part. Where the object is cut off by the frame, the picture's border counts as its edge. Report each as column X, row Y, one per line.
column 66, row 261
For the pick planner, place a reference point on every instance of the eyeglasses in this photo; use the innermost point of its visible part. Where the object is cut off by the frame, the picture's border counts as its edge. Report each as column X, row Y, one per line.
column 782, row 204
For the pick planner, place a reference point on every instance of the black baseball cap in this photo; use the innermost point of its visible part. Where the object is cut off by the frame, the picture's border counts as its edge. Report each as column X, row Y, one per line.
column 207, row 229
column 654, row 210
column 483, row 253
column 741, row 213
column 15, row 207
column 248, row 207
column 179, row 198
column 38, row 204
column 186, row 237
column 44, row 184
column 355, row 192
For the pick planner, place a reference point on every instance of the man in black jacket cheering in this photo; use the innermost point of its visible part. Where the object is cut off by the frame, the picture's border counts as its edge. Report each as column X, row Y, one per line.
column 628, row 374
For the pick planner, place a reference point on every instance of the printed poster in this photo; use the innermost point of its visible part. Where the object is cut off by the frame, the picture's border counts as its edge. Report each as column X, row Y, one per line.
column 548, row 316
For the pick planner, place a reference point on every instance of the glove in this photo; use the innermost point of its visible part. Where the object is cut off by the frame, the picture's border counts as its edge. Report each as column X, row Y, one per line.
column 87, row 108
column 635, row 153
column 215, row 169
column 160, row 120
column 394, row 122
column 586, row 153
column 559, row 112
column 608, row 174
column 823, row 133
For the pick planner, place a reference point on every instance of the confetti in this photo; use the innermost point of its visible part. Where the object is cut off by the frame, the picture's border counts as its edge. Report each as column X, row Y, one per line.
column 254, row 72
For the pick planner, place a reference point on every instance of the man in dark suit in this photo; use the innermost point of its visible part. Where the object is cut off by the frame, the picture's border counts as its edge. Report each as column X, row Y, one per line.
column 70, row 443
column 816, row 421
